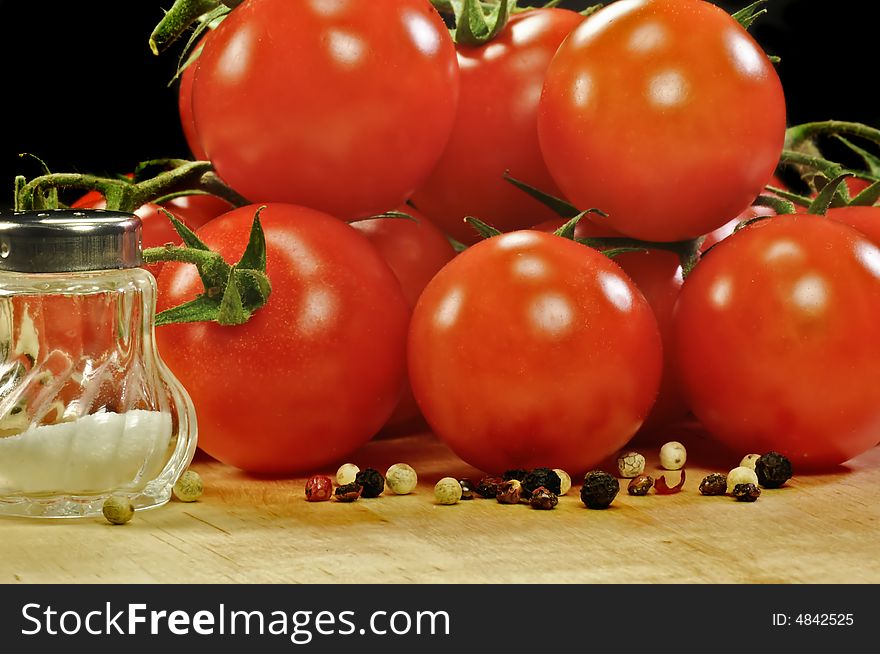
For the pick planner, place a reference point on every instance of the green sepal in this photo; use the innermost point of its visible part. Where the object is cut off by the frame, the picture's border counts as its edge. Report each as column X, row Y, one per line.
column 868, row 197
column 748, row 15
column 484, row 230
column 254, row 257
column 614, row 252
column 202, row 309
column 592, row 9
column 560, row 207
column 177, row 20
column 474, row 27
column 824, row 200
column 794, row 198
column 232, row 310
column 568, row 229
column 457, row 245
column 872, row 162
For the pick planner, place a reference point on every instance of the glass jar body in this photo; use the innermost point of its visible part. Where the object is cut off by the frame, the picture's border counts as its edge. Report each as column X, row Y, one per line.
column 87, row 407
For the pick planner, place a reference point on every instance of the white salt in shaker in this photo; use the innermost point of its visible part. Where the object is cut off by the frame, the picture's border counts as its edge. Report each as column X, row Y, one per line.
column 87, row 407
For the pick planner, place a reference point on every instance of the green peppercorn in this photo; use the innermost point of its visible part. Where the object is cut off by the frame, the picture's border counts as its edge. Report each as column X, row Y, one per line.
column 746, row 492
column 348, row 492
column 714, row 484
column 488, row 487
column 640, row 485
column 599, row 489
column 773, row 470
column 189, row 487
column 118, row 509
column 543, row 499
column 371, row 481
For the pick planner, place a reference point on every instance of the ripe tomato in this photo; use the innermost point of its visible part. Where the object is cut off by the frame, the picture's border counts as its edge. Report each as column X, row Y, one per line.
column 776, row 340
column 415, row 250
column 657, row 274
column 864, row 219
column 327, row 104
column 529, row 350
column 664, row 113
column 718, row 235
column 496, row 130
column 184, row 109
column 314, row 373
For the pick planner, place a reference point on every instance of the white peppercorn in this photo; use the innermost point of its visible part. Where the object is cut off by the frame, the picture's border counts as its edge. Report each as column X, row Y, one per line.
column 401, row 478
column 447, row 491
column 346, row 474
column 673, row 456
column 740, row 475
column 564, row 481
column 749, row 461
column 630, row 464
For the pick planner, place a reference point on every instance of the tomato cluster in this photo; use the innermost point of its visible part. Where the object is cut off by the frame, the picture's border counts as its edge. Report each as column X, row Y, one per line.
column 528, row 348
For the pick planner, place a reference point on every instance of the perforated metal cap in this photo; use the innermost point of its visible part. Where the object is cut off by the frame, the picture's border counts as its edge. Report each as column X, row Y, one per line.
column 69, row 240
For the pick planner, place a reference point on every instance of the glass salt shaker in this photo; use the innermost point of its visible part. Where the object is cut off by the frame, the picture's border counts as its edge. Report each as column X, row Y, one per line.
column 87, row 407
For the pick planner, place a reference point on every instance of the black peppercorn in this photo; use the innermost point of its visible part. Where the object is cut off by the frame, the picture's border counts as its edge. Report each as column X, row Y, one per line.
column 541, row 477
column 517, row 473
column 372, row 481
column 543, row 498
column 714, row 484
column 467, row 488
column 640, row 485
column 773, row 470
column 348, row 492
column 746, row 492
column 488, row 487
column 599, row 489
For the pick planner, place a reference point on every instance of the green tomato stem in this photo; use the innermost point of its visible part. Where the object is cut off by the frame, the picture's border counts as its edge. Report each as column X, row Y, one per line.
column 180, row 17
column 798, row 134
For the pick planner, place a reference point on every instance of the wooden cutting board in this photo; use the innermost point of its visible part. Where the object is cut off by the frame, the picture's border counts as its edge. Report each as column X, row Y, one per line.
column 818, row 529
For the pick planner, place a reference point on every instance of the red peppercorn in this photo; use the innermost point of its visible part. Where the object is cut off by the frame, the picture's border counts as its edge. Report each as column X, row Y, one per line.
column 319, row 488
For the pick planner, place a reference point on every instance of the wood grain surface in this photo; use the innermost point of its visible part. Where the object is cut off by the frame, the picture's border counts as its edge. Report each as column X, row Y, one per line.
column 817, row 529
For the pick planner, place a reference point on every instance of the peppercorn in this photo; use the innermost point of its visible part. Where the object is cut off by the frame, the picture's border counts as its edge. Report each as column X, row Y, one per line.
column 773, row 470
column 447, row 491
column 467, row 488
column 640, row 485
column 401, row 479
column 488, row 487
column 189, row 487
column 673, row 455
column 517, row 473
column 348, row 492
column 118, row 509
column 541, row 477
column 714, row 484
column 630, row 464
column 599, row 489
column 746, row 492
column 346, row 474
column 740, row 475
column 749, row 460
column 510, row 492
column 543, row 498
column 372, row 481
column 564, row 481
column 319, row 488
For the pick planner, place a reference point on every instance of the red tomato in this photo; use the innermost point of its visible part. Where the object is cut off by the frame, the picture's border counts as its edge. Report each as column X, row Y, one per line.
column 530, row 350
column 314, row 373
column 657, row 274
column 864, row 219
column 665, row 114
column 325, row 103
column 776, row 340
column 415, row 251
column 718, row 235
column 496, row 130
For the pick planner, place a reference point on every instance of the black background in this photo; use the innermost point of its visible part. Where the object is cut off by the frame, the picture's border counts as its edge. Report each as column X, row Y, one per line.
column 81, row 89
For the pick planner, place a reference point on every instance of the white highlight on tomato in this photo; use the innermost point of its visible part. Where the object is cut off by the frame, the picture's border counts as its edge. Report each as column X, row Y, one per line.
column 300, row 255
column 747, row 59
column 526, row 31
column 329, row 7
column 530, row 267
column 515, row 240
column 668, row 89
column 583, row 90
column 810, row 294
column 869, row 256
column 494, row 51
column 318, row 308
column 235, row 61
column 449, row 308
column 593, row 26
column 647, row 38
column 783, row 249
column 721, row 292
column 616, row 290
column 345, row 47
column 551, row 313
column 424, row 34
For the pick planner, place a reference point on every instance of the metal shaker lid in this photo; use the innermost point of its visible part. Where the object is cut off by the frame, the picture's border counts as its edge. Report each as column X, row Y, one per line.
column 69, row 240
